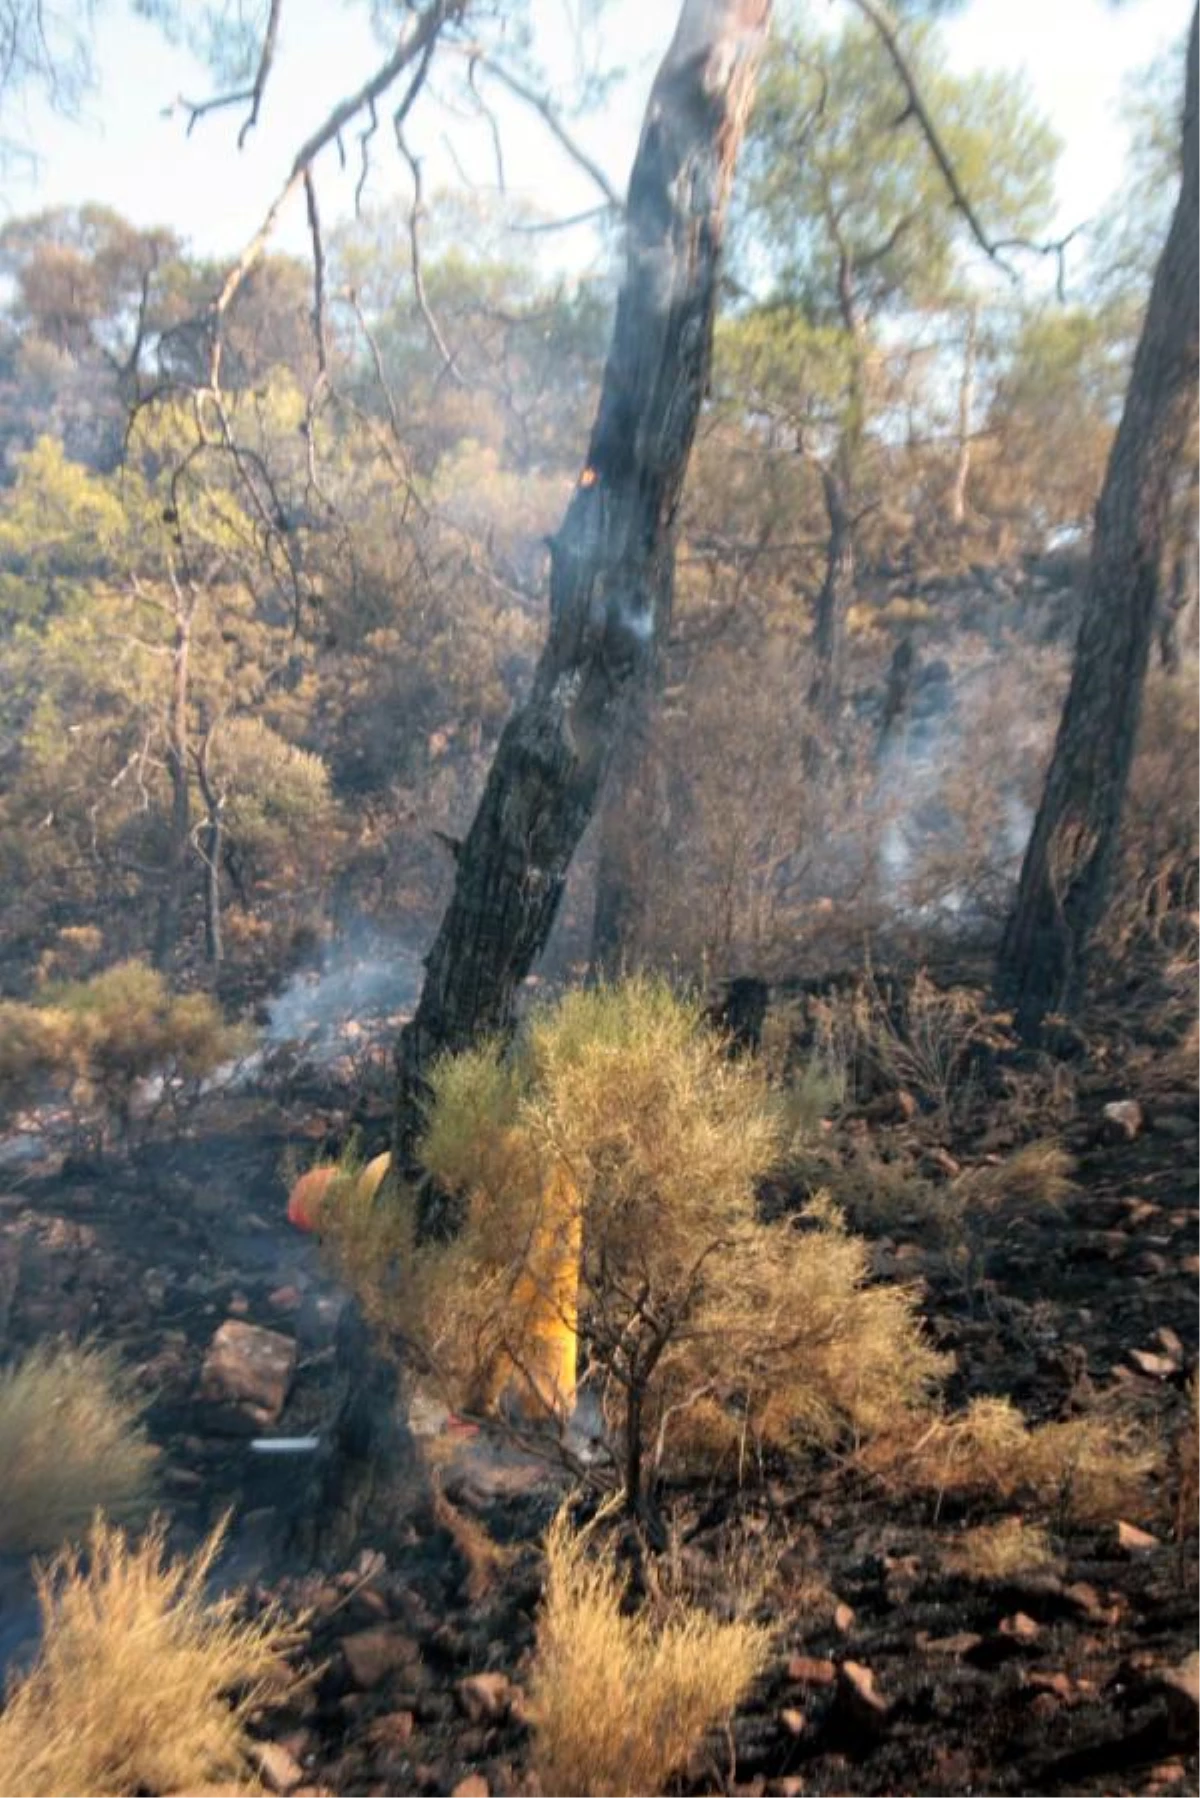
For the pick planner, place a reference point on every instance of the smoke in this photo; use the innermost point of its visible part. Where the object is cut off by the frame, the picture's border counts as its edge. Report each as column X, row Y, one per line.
column 364, row 979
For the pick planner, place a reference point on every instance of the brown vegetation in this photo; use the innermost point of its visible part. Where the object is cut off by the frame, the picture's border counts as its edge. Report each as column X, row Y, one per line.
column 70, row 1445
column 143, row 1683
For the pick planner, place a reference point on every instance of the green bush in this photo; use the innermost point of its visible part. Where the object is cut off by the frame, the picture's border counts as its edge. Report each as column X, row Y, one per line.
column 705, row 1330
column 95, row 1039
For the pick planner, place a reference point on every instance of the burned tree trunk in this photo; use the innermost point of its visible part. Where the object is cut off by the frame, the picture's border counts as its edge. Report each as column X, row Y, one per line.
column 1066, row 874
column 170, row 904
column 612, row 561
column 834, row 599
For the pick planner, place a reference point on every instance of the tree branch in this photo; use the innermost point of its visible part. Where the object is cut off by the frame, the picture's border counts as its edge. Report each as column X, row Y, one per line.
column 879, row 16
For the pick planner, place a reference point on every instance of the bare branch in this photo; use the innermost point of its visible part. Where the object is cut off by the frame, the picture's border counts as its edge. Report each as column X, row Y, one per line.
column 415, row 45
column 879, row 16
column 416, row 213
column 479, row 58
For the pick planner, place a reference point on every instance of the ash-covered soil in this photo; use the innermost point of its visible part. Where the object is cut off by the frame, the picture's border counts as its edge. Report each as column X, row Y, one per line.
column 892, row 1674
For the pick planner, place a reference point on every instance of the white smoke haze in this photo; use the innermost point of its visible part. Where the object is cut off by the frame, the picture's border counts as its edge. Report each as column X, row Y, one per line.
column 366, row 980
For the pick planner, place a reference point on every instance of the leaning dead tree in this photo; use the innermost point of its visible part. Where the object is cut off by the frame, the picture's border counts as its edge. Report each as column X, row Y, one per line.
column 1068, row 865
column 612, row 560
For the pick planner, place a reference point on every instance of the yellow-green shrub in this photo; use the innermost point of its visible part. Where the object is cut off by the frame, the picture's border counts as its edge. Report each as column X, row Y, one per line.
column 96, row 1038
column 70, row 1444
column 143, row 1683
column 618, row 1703
column 704, row 1327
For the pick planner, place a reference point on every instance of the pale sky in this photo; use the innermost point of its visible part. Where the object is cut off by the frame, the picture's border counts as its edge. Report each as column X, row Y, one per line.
column 125, row 153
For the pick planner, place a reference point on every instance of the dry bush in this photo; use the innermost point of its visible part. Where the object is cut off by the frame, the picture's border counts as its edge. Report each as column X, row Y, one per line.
column 619, row 1122
column 619, row 1703
column 70, row 1444
column 142, row 1683
column 795, row 1347
column 884, row 1197
column 1095, row 1468
column 1038, row 1174
column 998, row 1551
column 95, row 1039
column 920, row 1040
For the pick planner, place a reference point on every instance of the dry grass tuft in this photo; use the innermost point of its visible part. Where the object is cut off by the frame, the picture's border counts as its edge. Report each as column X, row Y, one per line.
column 619, row 1703
column 70, row 1445
column 1092, row 1469
column 1037, row 1174
column 998, row 1551
column 143, row 1684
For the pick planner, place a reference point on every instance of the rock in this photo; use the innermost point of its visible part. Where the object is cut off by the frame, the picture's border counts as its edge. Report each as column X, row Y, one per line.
column 246, row 1374
column 858, row 1696
column 1169, row 1342
column 1020, row 1627
column 805, row 1670
column 393, row 1731
column 1155, row 1367
column 284, row 1298
column 280, row 1770
column 473, row 1786
column 1181, row 1685
column 790, row 1786
column 371, row 1654
column 485, row 1697
column 843, row 1618
column 1135, row 1541
column 1056, row 1685
column 1123, row 1120
column 961, row 1643
column 793, row 1721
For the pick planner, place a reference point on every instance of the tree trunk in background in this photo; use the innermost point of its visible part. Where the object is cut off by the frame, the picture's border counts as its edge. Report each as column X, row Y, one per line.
column 1177, row 614
column 1068, row 864
column 966, row 403
column 170, row 905
column 833, row 603
column 612, row 561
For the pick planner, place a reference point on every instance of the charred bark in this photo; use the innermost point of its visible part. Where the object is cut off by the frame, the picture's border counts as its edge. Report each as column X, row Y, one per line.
column 1068, row 865
column 170, row 905
column 834, row 600
column 612, row 561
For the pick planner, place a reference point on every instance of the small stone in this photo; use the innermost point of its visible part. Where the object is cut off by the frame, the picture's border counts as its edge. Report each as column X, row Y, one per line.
column 1135, row 1541
column 1020, row 1627
column 371, row 1654
column 1190, row 1265
column 284, row 1298
column 961, row 1643
column 940, row 1161
column 473, row 1786
column 843, row 1618
column 485, row 1697
column 239, row 1304
column 806, row 1670
column 1056, row 1685
column 395, row 1730
column 793, row 1721
column 1123, row 1120
column 280, row 1770
column 791, row 1786
column 860, row 1697
column 246, row 1374
column 1169, row 1342
column 1155, row 1367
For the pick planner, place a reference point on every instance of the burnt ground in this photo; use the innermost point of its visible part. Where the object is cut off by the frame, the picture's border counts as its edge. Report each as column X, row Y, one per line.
column 893, row 1675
